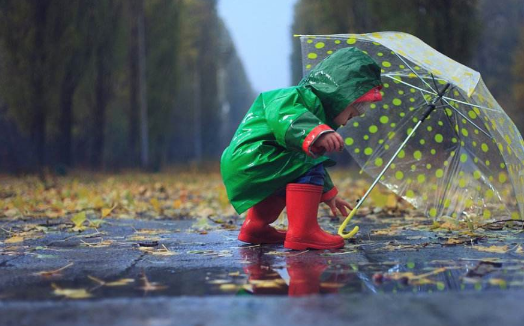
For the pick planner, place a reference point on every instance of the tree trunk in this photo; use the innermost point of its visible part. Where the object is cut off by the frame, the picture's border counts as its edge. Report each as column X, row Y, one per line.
column 102, row 98
column 134, row 76
column 38, row 130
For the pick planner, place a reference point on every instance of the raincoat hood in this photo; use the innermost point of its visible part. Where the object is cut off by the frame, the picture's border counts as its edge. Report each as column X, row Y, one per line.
column 342, row 78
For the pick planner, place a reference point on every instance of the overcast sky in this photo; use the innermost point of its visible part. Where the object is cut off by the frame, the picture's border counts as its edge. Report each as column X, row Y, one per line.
column 261, row 30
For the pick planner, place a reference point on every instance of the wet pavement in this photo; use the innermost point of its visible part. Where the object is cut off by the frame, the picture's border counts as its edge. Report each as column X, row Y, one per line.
column 399, row 271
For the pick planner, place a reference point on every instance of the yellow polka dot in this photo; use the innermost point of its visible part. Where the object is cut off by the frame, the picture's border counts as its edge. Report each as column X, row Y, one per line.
column 489, row 194
column 462, row 183
column 312, row 55
column 355, row 124
column 503, row 177
column 320, row 45
column 439, row 173
column 439, row 138
column 379, row 162
column 384, row 119
column 464, row 158
column 373, row 129
column 433, row 212
column 337, row 41
column 386, row 64
column 464, row 132
column 397, row 102
column 368, row 151
column 351, row 41
column 477, row 174
column 410, row 194
column 417, row 155
column 401, row 154
column 349, row 141
column 421, row 178
column 486, row 214
column 399, row 175
column 484, row 147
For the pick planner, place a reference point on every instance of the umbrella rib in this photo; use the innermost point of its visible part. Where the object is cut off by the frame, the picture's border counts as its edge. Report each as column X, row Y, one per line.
column 467, row 103
column 413, row 70
column 408, row 84
column 467, row 119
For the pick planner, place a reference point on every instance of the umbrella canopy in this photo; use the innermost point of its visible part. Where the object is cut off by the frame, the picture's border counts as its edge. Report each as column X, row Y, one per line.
column 465, row 161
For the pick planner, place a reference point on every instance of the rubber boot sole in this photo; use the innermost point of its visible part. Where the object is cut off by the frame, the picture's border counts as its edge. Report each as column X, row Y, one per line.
column 258, row 240
column 295, row 245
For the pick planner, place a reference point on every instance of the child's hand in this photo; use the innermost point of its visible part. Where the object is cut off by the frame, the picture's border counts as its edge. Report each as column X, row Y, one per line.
column 329, row 142
column 340, row 204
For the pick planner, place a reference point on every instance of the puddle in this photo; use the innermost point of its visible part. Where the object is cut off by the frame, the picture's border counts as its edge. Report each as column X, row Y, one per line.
column 264, row 272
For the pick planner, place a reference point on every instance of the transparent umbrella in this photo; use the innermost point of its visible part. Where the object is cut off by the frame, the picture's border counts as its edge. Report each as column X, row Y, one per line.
column 438, row 139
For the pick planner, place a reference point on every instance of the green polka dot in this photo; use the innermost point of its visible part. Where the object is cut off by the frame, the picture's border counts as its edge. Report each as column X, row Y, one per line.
column 421, row 178
column 397, row 102
column 357, row 150
column 379, row 162
column 464, row 158
column 422, row 141
column 433, row 151
column 312, row 55
column 330, row 52
column 439, row 173
column 386, row 64
column 486, row 214
column 373, row 129
column 366, row 137
column 308, row 66
column 355, row 124
column 417, row 155
column 472, row 114
column 428, row 166
column 368, row 151
column 489, row 194
column 351, row 41
column 464, row 132
column 439, row 138
column 349, row 141
column 462, row 183
column 399, row 175
column 433, row 212
column 384, row 119
column 320, row 45
column 503, row 177
column 401, row 154
column 484, row 147
column 477, row 174
column 410, row 194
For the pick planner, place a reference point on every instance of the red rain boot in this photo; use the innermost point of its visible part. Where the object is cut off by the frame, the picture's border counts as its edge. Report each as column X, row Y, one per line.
column 302, row 202
column 256, row 228
column 304, row 275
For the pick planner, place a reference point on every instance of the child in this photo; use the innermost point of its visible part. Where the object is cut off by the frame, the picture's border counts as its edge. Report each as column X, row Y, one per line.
column 275, row 158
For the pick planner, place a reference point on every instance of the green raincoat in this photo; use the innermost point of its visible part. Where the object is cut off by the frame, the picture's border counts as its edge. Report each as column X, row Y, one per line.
column 271, row 146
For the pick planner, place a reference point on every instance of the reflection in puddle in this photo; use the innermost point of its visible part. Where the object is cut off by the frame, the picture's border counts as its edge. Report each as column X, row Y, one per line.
column 259, row 271
column 309, row 273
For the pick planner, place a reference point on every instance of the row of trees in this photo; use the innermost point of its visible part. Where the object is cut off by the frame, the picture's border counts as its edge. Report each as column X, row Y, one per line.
column 485, row 35
column 116, row 83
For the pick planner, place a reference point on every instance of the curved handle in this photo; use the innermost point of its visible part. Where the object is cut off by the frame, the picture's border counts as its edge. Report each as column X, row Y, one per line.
column 345, row 223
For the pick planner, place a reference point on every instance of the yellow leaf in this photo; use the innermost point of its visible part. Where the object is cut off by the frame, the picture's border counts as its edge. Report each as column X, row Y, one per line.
column 78, row 220
column 121, row 282
column 177, row 204
column 107, row 211
column 156, row 205
column 71, row 293
column 495, row 249
column 14, row 239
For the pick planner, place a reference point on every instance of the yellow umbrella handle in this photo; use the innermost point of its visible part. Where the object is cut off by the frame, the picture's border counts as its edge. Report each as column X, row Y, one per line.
column 345, row 223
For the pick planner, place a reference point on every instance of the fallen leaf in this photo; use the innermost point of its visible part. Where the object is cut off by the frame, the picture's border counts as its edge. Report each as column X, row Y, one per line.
column 495, row 249
column 78, row 220
column 55, row 272
column 71, row 293
column 14, row 239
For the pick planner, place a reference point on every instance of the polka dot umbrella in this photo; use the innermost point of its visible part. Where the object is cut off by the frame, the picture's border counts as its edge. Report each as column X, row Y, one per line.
column 438, row 139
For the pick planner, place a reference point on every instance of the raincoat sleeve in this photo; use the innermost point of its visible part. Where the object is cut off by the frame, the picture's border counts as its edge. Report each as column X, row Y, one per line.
column 329, row 190
column 294, row 126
